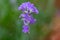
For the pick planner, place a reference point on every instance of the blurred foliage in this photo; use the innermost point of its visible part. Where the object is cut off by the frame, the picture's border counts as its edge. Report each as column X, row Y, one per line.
column 11, row 25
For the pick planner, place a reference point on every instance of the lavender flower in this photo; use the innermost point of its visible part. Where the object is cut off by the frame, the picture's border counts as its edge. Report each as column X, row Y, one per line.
column 27, row 8
column 28, row 19
column 25, row 29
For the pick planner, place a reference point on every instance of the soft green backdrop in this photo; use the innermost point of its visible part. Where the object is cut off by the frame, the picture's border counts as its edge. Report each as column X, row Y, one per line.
column 11, row 25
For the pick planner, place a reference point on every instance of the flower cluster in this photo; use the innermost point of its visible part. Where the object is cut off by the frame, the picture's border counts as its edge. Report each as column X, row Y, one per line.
column 27, row 8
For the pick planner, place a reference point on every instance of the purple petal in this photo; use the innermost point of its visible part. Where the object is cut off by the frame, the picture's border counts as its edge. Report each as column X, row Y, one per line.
column 35, row 10
column 32, row 21
column 22, row 15
column 25, row 28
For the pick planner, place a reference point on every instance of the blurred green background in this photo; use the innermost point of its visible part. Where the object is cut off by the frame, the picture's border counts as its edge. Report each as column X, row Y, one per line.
column 11, row 25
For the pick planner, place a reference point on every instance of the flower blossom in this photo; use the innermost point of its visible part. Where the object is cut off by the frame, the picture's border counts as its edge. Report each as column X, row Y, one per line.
column 27, row 8
column 25, row 29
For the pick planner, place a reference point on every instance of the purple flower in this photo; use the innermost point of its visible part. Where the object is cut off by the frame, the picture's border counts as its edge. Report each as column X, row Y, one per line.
column 28, row 19
column 25, row 29
column 28, row 7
